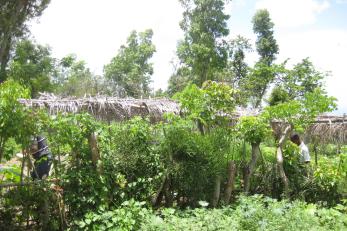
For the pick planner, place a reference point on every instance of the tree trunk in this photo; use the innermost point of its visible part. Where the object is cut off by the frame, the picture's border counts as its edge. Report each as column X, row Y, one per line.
column 251, row 166
column 159, row 195
column 22, row 167
column 168, row 193
column 315, row 154
column 231, row 181
column 93, row 143
column 216, row 193
column 279, row 158
column 5, row 46
column 9, row 33
column 2, row 146
column 44, row 216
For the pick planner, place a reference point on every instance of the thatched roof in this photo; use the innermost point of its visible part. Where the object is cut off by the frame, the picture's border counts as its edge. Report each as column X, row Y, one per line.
column 112, row 108
column 326, row 128
column 105, row 108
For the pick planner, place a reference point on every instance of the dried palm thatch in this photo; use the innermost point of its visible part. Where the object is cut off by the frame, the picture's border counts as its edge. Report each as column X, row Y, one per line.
column 114, row 109
column 326, row 129
column 105, row 108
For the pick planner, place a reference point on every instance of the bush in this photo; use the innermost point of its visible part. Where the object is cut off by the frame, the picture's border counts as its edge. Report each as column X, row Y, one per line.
column 250, row 213
column 127, row 217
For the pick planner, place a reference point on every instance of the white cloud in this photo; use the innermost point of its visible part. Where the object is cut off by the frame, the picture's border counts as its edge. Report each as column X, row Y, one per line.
column 293, row 13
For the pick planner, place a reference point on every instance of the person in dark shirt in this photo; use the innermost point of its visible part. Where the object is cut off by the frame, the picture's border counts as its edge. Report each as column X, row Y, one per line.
column 42, row 157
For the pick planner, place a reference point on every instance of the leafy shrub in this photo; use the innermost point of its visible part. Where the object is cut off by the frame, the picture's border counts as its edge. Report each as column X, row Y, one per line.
column 127, row 217
column 35, row 202
column 132, row 166
column 250, row 213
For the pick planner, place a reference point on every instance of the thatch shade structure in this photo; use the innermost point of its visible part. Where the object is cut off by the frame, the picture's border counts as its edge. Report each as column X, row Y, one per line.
column 326, row 128
column 106, row 108
column 114, row 109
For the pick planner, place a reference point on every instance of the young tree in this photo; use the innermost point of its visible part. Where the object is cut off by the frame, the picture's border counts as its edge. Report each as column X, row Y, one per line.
column 32, row 66
column 263, row 75
column 252, row 129
column 16, row 120
column 211, row 106
column 130, row 69
column 203, row 49
column 297, row 114
column 14, row 14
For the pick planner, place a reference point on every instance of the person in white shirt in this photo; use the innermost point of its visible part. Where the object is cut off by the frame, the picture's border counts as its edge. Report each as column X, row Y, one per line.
column 304, row 152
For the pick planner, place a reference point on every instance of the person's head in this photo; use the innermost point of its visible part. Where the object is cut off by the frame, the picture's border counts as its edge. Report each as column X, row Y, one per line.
column 295, row 138
column 34, row 146
column 37, row 143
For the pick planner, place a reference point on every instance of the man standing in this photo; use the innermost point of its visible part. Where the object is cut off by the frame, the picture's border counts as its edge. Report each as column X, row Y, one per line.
column 304, row 153
column 42, row 156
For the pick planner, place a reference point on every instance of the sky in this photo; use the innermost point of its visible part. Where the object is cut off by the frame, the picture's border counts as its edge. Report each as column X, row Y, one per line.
column 95, row 29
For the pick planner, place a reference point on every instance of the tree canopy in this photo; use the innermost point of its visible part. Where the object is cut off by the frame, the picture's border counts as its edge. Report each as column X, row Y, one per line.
column 14, row 15
column 131, row 69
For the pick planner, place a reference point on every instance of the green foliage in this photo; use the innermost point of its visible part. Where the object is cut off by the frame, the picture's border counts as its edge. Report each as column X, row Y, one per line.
column 203, row 49
column 239, row 67
column 210, row 105
column 303, row 78
column 278, row 95
column 266, row 44
column 130, row 68
column 259, row 80
column 187, row 160
column 32, row 66
column 300, row 113
column 264, row 72
column 178, row 81
column 10, row 174
column 77, row 172
column 14, row 17
column 327, row 185
column 253, row 129
column 132, row 164
column 16, row 121
column 237, row 72
column 36, row 202
column 250, row 213
column 128, row 216
column 75, row 79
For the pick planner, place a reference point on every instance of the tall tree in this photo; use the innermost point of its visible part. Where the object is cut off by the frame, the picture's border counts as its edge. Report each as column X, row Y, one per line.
column 75, row 78
column 203, row 49
column 130, row 69
column 238, row 65
column 266, row 44
column 267, row 49
column 32, row 66
column 14, row 14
